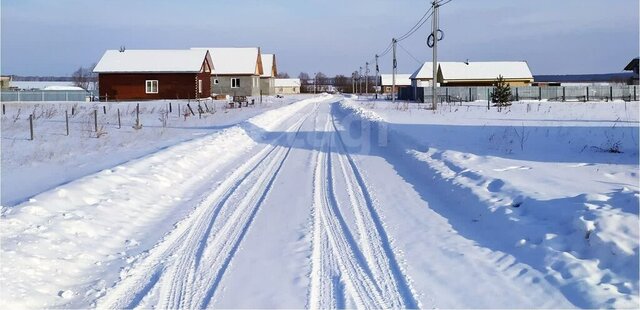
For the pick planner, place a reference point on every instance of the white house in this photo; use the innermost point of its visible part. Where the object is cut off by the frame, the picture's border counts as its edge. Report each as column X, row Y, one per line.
column 386, row 82
column 484, row 73
column 287, row 86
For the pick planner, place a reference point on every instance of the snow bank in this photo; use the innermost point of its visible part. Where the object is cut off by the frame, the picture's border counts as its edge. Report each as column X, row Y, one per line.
column 542, row 188
column 94, row 226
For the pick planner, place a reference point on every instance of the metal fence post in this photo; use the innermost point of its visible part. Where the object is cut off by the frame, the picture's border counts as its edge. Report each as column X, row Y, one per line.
column 95, row 119
column 611, row 93
column 563, row 95
column 42, row 96
column 66, row 96
column 66, row 118
column 634, row 93
column 517, row 95
column 119, row 125
column 488, row 100
column 587, row 97
column 539, row 93
column 470, row 94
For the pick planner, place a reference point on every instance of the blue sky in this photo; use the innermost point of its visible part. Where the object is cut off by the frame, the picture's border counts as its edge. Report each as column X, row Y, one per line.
column 54, row 37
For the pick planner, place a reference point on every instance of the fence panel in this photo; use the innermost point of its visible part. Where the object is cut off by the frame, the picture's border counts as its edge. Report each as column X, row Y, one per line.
column 551, row 93
column 48, row 95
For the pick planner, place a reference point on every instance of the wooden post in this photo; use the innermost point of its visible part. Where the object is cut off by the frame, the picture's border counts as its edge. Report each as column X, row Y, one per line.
column 206, row 107
column 170, row 108
column 469, row 93
column 190, row 109
column 179, row 109
column 31, row 125
column 564, row 98
column 95, row 120
column 517, row 95
column 104, row 109
column 119, row 125
column 3, row 109
column 446, row 91
column 66, row 118
column 634, row 94
column 73, row 111
column 200, row 113
column 137, row 115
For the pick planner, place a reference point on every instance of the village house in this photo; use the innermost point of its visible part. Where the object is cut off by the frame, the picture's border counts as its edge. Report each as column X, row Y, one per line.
column 386, row 82
column 515, row 73
column 154, row 74
column 269, row 72
column 287, row 86
column 237, row 71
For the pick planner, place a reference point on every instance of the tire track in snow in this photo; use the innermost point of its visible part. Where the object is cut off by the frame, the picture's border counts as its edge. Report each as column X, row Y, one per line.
column 375, row 242
column 372, row 276
column 174, row 265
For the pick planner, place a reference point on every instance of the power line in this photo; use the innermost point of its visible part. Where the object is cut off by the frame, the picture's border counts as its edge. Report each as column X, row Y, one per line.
column 406, row 51
column 418, row 25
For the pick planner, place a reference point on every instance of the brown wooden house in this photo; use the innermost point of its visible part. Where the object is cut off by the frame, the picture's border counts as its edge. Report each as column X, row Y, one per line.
column 154, row 74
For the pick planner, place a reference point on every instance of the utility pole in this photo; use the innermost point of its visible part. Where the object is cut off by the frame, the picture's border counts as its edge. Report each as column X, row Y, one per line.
column 394, row 71
column 353, row 82
column 377, row 74
column 360, row 81
column 434, row 80
column 366, row 78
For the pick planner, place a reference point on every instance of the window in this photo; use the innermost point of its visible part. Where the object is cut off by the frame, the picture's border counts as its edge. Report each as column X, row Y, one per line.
column 200, row 86
column 215, row 81
column 151, row 86
column 235, row 82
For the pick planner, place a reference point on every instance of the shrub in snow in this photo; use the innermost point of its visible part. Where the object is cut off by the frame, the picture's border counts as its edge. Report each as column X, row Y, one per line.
column 502, row 93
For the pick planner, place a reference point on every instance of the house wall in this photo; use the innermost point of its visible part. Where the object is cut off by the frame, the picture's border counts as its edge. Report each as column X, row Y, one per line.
column 287, row 90
column 132, row 86
column 267, row 86
column 249, row 85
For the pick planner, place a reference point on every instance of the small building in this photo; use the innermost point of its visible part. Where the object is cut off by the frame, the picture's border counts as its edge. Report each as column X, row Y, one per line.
column 515, row 73
column 154, row 74
column 633, row 67
column 402, row 81
column 269, row 72
column 237, row 71
column 287, row 86
column 5, row 82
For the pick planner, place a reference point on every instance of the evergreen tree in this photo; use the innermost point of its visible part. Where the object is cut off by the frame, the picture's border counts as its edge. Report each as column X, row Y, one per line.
column 501, row 93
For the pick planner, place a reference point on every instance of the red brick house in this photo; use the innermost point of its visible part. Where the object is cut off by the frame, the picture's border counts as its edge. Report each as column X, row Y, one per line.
column 154, row 74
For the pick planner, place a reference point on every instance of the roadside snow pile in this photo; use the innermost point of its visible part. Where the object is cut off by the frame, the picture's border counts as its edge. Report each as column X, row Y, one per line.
column 94, row 226
column 552, row 185
column 57, row 158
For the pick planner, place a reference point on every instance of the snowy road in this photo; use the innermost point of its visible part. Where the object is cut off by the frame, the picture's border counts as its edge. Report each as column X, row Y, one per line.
column 290, row 209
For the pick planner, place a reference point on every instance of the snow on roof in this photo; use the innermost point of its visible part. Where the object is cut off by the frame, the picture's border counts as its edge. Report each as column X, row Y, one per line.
column 425, row 71
column 268, row 65
column 488, row 70
column 62, row 87
column 234, row 60
column 401, row 79
column 151, row 61
column 287, row 83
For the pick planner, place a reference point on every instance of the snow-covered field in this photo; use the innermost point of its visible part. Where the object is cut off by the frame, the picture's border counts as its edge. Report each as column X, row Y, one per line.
column 322, row 202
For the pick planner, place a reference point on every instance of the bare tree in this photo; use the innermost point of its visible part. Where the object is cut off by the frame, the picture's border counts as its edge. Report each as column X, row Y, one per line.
column 282, row 75
column 342, row 83
column 84, row 77
column 322, row 82
column 304, row 80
